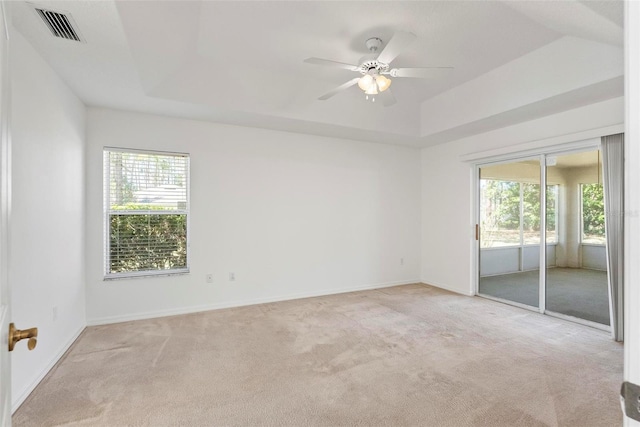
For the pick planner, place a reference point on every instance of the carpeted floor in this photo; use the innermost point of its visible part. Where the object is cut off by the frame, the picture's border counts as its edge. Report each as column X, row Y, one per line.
column 407, row 355
column 575, row 292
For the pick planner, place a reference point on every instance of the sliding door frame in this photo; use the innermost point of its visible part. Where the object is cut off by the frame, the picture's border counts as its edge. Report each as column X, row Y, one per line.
column 541, row 154
column 594, row 147
column 476, row 223
column 542, row 284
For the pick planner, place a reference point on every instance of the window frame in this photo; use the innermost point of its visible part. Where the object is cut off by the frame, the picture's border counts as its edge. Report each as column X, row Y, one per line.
column 556, row 216
column 107, row 212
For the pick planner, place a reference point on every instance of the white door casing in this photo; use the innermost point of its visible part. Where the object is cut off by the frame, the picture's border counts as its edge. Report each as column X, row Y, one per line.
column 632, row 198
column 5, row 306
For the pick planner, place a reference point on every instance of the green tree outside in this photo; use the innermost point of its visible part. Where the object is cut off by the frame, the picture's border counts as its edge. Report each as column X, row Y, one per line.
column 500, row 212
column 593, row 228
column 147, row 242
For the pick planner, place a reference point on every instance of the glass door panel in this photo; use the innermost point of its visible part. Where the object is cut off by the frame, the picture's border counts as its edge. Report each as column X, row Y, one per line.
column 509, row 236
column 576, row 276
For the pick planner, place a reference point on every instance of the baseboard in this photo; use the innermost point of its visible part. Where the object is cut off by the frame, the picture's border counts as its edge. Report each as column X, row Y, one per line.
column 232, row 304
column 447, row 288
column 29, row 389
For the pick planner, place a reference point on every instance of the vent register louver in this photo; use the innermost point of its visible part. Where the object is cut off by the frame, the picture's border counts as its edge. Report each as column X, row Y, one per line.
column 60, row 24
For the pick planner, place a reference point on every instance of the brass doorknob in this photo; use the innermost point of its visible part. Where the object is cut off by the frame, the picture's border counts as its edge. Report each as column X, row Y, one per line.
column 16, row 335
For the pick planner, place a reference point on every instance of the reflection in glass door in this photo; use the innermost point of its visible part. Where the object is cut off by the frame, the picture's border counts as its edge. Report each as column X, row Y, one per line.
column 573, row 281
column 576, row 279
column 509, row 232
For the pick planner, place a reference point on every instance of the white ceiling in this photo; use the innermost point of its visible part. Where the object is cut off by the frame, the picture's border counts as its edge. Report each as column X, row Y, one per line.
column 241, row 62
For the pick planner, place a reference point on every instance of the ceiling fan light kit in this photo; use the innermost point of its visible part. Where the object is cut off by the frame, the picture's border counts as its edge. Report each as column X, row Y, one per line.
column 373, row 83
column 375, row 69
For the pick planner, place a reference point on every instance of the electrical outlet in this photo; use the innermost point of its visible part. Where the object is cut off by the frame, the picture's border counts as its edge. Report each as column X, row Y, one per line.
column 209, row 278
column 630, row 393
column 232, row 277
column 54, row 313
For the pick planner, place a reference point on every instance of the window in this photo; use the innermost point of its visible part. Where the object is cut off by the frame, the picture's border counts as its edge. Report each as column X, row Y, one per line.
column 510, row 213
column 552, row 213
column 146, row 213
column 592, row 214
column 530, row 208
column 499, row 213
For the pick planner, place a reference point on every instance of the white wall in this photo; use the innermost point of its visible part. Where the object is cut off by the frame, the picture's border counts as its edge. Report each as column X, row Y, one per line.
column 594, row 257
column 291, row 215
column 512, row 259
column 447, row 231
column 46, row 265
column 632, row 199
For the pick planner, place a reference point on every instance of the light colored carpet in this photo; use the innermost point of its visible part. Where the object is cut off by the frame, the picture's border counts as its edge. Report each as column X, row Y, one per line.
column 408, row 355
column 575, row 292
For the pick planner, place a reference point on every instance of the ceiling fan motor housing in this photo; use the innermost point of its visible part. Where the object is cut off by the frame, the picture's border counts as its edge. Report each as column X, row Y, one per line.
column 369, row 64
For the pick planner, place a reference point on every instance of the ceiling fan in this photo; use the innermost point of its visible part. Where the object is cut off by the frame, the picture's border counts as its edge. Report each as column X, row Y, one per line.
column 375, row 68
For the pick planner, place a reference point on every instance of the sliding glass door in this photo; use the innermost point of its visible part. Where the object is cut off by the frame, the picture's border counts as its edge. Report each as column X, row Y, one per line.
column 509, row 231
column 576, row 281
column 564, row 276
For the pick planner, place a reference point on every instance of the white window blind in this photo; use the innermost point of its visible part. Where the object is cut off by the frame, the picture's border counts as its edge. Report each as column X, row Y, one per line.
column 146, row 213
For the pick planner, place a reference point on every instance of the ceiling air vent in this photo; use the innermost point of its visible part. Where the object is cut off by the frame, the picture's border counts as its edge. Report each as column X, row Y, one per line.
column 60, row 24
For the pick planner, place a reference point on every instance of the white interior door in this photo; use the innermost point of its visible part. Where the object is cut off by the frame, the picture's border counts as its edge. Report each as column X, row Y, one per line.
column 5, row 306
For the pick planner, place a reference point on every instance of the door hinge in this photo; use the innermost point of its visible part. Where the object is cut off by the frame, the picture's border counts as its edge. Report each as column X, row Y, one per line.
column 630, row 395
column 477, row 232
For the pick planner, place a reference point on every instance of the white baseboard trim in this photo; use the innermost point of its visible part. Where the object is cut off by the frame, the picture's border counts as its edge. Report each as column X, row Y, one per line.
column 19, row 400
column 231, row 304
column 447, row 288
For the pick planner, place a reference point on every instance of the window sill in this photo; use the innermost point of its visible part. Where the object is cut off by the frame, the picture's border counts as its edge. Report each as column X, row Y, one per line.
column 145, row 275
column 528, row 245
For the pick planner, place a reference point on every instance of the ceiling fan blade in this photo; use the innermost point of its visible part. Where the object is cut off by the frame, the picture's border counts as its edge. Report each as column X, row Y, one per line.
column 387, row 98
column 339, row 89
column 329, row 63
column 398, row 42
column 421, row 73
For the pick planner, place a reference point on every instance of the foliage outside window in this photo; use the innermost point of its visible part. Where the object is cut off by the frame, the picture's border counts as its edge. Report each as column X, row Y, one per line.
column 593, row 231
column 510, row 213
column 146, row 213
column 552, row 213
